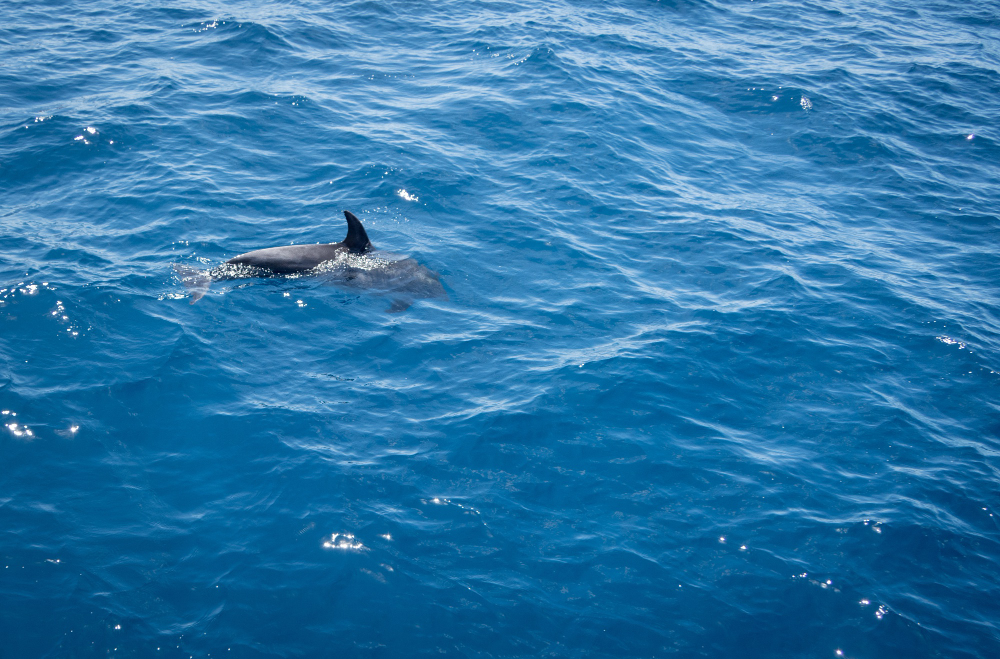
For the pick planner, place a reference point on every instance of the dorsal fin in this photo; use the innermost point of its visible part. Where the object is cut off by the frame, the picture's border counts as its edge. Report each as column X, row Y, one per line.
column 356, row 240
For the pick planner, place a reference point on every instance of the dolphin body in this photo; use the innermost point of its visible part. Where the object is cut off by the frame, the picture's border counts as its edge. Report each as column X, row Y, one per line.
column 350, row 263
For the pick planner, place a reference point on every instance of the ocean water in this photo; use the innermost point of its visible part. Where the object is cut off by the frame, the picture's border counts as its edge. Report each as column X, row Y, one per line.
column 716, row 374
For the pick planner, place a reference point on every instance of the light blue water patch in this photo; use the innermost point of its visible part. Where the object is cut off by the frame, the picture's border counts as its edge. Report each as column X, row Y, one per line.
column 716, row 373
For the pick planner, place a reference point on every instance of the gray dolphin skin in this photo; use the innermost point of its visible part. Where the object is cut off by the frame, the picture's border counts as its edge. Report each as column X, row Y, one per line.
column 351, row 263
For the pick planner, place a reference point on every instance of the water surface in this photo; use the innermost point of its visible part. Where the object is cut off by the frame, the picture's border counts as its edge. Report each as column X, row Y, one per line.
column 717, row 374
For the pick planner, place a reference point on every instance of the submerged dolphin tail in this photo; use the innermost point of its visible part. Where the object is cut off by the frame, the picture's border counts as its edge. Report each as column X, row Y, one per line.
column 399, row 305
column 195, row 280
column 356, row 240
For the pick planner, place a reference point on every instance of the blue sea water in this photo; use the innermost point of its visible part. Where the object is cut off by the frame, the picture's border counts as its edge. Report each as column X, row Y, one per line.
column 717, row 374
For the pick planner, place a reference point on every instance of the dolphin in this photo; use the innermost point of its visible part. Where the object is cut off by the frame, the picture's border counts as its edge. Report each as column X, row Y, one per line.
column 352, row 262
